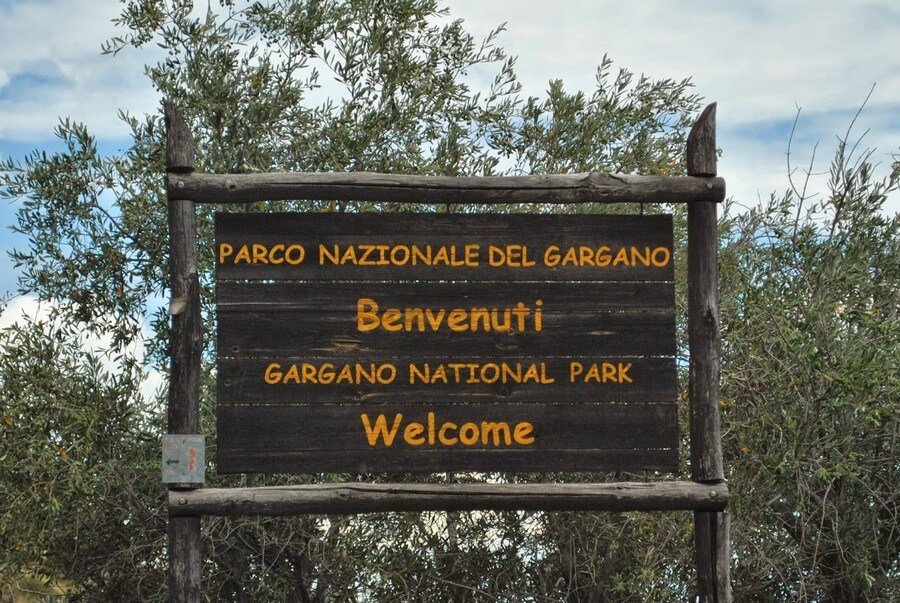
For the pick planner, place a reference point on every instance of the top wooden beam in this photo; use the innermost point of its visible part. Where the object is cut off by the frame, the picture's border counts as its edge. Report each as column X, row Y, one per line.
column 592, row 187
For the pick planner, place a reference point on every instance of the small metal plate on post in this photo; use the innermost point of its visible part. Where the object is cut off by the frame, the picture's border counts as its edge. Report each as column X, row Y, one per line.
column 183, row 459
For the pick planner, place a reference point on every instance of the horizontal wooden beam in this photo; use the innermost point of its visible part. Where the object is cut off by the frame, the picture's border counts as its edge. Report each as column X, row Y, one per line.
column 592, row 187
column 349, row 498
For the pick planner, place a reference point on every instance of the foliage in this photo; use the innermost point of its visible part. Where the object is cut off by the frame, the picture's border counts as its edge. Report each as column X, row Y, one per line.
column 811, row 320
column 82, row 506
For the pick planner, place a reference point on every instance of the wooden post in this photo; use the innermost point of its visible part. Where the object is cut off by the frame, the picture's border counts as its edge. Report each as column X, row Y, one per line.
column 185, row 348
column 711, row 536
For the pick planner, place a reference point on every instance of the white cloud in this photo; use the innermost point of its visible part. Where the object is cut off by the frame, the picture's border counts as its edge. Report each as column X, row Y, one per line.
column 53, row 68
column 20, row 308
column 28, row 308
column 760, row 57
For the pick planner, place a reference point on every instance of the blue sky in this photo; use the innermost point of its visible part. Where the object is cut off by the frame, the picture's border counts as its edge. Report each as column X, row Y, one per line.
column 760, row 60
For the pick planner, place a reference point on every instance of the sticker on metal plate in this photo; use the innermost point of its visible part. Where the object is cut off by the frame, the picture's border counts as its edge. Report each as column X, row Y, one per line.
column 183, row 459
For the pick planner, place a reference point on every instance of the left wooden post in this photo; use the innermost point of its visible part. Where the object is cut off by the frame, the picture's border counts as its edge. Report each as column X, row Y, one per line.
column 186, row 341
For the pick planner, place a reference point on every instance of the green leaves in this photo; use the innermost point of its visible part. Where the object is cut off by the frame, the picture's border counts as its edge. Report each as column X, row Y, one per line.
column 74, row 471
column 810, row 312
column 623, row 126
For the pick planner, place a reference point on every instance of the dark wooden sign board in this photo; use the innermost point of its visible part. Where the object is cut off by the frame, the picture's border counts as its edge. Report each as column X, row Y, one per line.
column 633, row 307
column 445, row 342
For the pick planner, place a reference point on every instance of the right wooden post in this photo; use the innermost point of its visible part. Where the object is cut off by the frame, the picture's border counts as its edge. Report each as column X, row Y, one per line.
column 711, row 529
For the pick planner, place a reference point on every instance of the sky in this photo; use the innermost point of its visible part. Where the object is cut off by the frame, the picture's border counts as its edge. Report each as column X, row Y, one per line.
column 759, row 60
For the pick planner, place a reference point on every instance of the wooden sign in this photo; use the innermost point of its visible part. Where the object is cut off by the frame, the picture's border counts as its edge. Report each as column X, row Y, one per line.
column 445, row 342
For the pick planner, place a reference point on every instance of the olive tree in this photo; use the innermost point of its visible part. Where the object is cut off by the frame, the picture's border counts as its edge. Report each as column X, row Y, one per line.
column 811, row 395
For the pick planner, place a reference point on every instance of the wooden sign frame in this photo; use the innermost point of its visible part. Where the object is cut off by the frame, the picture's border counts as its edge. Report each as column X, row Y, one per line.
column 706, row 494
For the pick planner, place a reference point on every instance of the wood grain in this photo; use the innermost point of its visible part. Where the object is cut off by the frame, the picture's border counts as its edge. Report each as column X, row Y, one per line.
column 185, row 347
column 308, row 314
column 499, row 238
column 181, row 149
column 323, row 438
column 711, row 529
column 592, row 187
column 347, row 498
column 558, row 298
column 279, row 334
column 241, row 381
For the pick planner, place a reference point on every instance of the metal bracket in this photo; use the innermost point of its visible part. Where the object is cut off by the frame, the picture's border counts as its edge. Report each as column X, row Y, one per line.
column 183, row 458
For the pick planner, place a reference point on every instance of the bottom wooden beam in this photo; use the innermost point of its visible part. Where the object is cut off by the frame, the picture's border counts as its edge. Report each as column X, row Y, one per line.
column 352, row 498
